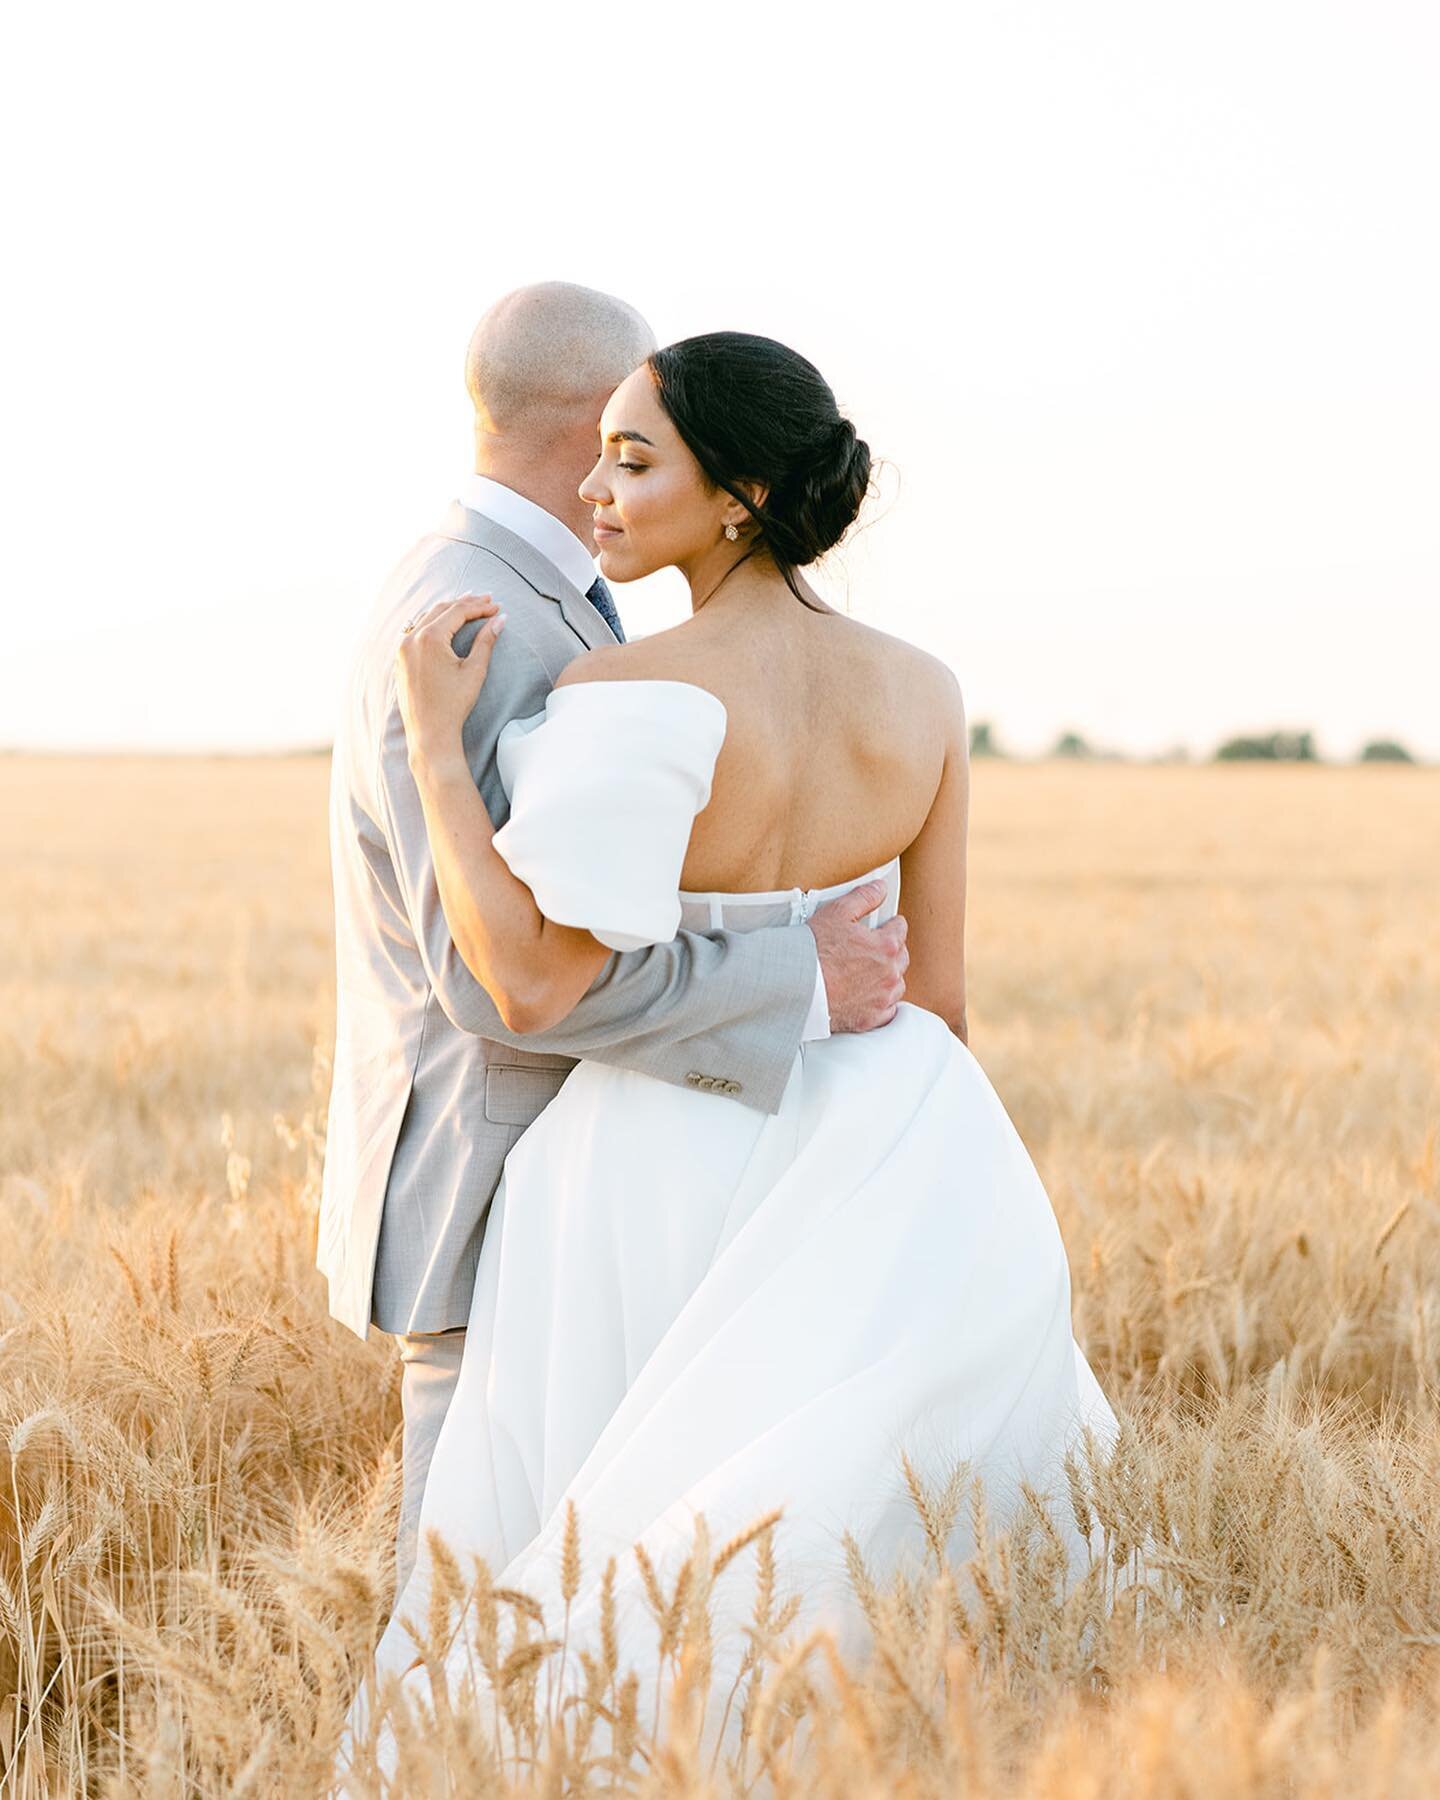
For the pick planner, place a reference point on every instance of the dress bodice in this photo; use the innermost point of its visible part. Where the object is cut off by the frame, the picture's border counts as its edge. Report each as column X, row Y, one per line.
column 754, row 911
column 604, row 786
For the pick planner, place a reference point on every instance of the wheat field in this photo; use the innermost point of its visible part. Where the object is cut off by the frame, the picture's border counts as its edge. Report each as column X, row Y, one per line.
column 1208, row 997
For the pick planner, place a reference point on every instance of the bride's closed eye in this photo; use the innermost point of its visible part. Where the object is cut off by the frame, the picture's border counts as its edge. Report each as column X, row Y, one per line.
column 631, row 465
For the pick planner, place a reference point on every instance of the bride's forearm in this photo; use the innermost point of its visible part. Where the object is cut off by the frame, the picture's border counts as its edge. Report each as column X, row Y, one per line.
column 534, row 970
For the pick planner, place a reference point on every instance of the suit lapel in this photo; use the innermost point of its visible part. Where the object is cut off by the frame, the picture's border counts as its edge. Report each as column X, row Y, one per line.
column 468, row 527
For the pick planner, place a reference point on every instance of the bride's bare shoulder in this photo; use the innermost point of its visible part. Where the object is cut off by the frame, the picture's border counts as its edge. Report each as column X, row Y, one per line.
column 904, row 667
column 642, row 660
column 590, row 665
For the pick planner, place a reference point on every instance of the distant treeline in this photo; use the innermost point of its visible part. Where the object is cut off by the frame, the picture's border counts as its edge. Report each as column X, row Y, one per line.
column 1270, row 746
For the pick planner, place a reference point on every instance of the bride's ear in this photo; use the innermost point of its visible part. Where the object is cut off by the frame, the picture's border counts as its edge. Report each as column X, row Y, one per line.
column 758, row 492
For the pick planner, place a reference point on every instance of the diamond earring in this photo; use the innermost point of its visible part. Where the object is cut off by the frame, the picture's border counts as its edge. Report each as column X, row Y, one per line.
column 731, row 533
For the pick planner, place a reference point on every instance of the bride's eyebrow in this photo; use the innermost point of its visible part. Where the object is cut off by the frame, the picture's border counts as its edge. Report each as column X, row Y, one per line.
column 628, row 437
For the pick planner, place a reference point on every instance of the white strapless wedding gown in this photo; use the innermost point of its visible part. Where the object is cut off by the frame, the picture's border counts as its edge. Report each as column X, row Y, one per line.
column 685, row 1305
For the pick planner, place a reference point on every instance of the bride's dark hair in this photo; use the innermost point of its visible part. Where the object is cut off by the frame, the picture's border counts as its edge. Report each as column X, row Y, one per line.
column 748, row 408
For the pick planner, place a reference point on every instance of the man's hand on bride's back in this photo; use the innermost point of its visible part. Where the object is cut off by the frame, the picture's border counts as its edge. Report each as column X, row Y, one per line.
column 864, row 965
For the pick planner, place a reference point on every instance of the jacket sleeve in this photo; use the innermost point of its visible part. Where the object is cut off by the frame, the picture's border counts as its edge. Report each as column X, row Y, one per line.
column 721, row 1003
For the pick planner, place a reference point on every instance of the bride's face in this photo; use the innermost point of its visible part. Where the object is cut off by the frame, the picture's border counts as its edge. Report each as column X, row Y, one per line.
column 653, row 505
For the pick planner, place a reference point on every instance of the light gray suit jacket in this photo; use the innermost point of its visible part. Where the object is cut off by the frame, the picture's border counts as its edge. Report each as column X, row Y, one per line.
column 429, row 1088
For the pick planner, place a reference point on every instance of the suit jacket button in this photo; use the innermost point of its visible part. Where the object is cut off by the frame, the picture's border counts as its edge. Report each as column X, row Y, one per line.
column 732, row 1087
column 694, row 1077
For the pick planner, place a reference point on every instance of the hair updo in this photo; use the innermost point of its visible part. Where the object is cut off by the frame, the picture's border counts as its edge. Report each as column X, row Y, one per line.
column 749, row 409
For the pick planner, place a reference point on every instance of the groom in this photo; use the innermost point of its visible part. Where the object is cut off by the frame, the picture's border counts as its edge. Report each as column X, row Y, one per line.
column 430, row 1088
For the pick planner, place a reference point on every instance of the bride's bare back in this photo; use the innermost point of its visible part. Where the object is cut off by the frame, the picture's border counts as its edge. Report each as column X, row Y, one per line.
column 844, row 747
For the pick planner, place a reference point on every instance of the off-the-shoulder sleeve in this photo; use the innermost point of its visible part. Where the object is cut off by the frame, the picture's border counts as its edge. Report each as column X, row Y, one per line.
column 604, row 786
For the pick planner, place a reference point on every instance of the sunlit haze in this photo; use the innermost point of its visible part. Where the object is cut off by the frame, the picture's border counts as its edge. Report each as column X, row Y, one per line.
column 1136, row 304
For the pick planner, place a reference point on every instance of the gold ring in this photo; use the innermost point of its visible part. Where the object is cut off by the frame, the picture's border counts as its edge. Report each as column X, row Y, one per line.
column 410, row 626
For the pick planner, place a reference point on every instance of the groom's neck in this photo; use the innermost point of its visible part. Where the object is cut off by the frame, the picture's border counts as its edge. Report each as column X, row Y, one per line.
column 544, row 479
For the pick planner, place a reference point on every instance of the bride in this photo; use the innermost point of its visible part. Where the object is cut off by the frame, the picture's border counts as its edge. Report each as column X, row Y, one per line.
column 687, row 1308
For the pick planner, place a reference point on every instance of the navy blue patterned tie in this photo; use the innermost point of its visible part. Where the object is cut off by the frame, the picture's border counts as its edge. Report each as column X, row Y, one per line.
column 598, row 594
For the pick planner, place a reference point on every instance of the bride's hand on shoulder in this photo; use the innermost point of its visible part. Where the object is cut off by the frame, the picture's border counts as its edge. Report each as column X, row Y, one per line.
column 436, row 687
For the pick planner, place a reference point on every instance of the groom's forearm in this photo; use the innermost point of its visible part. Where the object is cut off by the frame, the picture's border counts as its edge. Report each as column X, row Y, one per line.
column 726, row 1005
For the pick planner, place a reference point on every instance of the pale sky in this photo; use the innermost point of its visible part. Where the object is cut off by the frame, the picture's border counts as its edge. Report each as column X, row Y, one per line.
column 1137, row 302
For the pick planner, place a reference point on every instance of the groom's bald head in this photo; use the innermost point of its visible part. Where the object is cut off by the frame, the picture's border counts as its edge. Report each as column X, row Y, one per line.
column 543, row 354
column 541, row 365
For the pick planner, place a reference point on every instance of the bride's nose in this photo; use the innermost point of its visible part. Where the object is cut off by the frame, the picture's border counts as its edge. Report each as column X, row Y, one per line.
column 593, row 489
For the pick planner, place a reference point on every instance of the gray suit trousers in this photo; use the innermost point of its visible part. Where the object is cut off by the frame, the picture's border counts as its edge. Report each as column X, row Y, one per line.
column 430, row 1368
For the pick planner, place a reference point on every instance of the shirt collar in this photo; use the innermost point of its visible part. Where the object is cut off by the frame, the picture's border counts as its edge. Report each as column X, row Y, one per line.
column 540, row 529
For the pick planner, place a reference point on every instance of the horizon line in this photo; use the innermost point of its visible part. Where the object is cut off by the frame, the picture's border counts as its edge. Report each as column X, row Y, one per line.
column 1178, row 755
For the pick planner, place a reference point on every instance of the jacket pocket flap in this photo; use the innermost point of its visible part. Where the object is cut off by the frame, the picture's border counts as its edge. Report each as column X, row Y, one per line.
column 516, row 1093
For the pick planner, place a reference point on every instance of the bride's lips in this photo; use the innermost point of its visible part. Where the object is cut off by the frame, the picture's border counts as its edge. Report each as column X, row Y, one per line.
column 602, row 533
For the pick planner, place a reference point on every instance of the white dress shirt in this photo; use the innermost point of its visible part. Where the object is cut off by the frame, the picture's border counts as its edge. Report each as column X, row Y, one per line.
column 541, row 530
column 575, row 561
